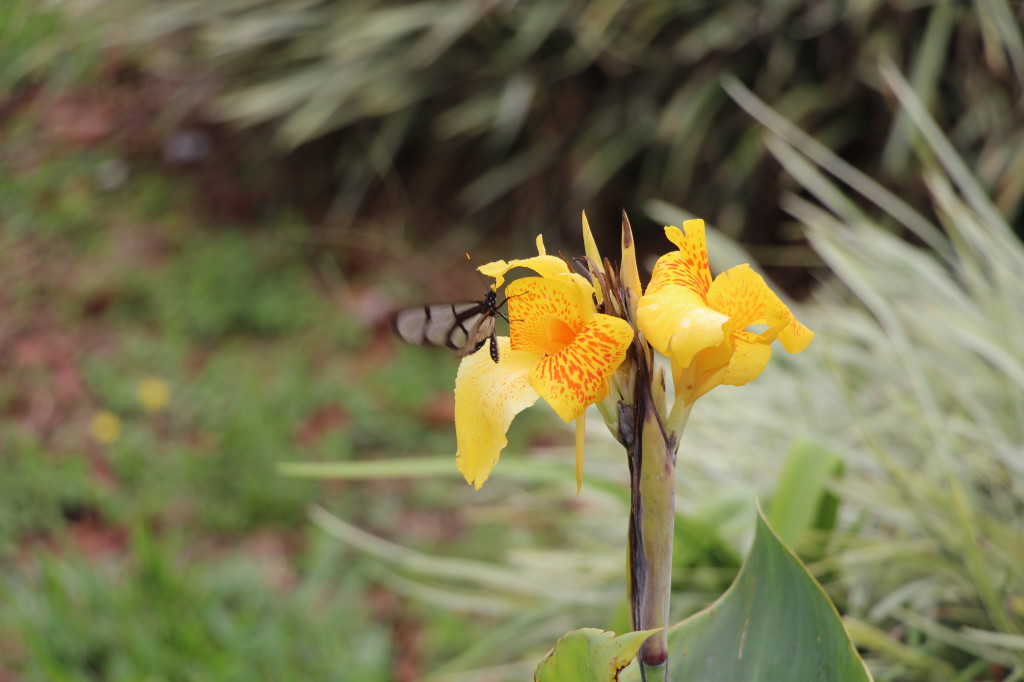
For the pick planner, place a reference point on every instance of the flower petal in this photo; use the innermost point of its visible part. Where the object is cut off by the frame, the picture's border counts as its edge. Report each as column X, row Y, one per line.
column 551, row 267
column 704, row 372
column 687, row 267
column 735, row 363
column 545, row 266
column 677, row 322
column 488, row 396
column 747, row 299
column 743, row 295
column 793, row 335
column 590, row 248
column 629, row 274
column 577, row 375
column 749, row 358
column 545, row 314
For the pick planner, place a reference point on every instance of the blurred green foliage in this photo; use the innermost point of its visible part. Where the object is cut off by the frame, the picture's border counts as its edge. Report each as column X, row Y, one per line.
column 612, row 102
column 230, row 283
column 515, row 114
column 38, row 492
column 35, row 46
column 155, row 618
column 176, row 551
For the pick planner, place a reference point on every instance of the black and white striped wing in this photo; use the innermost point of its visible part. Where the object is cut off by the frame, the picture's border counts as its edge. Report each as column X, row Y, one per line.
column 463, row 327
column 479, row 333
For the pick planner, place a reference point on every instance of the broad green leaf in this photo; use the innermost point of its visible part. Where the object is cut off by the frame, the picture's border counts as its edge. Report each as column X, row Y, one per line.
column 702, row 536
column 802, row 501
column 773, row 624
column 590, row 655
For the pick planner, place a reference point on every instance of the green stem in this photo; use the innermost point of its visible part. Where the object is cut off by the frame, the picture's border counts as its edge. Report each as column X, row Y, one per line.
column 656, row 511
column 650, row 436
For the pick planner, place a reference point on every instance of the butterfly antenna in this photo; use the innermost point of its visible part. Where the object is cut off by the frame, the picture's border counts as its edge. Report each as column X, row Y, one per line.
column 482, row 278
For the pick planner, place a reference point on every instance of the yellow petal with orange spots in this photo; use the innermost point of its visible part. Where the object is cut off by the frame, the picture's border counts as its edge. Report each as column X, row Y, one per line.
column 488, row 396
column 677, row 321
column 747, row 299
column 545, row 314
column 577, row 375
column 687, row 267
column 795, row 337
column 743, row 295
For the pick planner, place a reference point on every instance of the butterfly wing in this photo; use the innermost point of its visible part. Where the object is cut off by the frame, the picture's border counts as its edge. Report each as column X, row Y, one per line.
column 481, row 330
column 463, row 327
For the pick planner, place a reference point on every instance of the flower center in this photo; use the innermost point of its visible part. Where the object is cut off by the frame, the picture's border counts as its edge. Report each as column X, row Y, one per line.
column 559, row 334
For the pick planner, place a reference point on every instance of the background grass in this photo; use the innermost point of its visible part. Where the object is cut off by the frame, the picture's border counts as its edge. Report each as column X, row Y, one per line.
column 142, row 239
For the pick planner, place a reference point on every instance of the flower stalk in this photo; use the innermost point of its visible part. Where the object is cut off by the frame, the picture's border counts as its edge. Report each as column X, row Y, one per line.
column 591, row 339
column 655, row 491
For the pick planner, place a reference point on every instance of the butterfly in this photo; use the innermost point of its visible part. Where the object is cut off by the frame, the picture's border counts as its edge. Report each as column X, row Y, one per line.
column 464, row 326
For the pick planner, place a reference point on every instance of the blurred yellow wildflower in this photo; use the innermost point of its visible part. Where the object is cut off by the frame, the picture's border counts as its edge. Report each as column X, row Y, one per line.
column 153, row 394
column 105, row 427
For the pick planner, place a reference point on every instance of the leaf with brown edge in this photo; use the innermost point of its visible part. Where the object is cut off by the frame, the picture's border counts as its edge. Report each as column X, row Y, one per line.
column 590, row 655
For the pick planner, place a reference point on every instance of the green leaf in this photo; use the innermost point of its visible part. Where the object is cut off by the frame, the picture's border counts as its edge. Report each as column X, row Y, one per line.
column 590, row 655
column 774, row 623
column 802, row 501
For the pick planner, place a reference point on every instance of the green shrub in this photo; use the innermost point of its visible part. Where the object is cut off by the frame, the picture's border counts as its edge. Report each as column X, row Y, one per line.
column 461, row 108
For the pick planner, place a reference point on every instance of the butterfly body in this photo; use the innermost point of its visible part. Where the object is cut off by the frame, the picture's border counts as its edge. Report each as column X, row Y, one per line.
column 463, row 326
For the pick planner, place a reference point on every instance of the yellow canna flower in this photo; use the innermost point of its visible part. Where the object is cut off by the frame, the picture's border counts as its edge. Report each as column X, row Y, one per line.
column 703, row 325
column 559, row 348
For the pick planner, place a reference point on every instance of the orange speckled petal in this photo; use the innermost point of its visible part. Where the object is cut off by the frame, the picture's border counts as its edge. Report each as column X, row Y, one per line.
column 487, row 397
column 687, row 267
column 747, row 299
column 795, row 337
column 577, row 375
column 743, row 295
column 545, row 314
column 676, row 321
